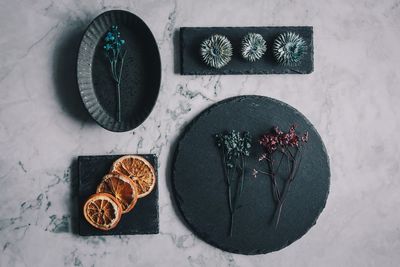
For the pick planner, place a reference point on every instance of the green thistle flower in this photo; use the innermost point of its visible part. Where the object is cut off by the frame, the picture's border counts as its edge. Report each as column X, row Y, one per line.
column 289, row 49
column 216, row 51
column 253, row 47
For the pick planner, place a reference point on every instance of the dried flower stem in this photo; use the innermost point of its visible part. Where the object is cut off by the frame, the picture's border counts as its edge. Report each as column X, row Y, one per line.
column 116, row 71
column 234, row 201
column 290, row 146
column 295, row 161
column 115, row 52
column 234, row 148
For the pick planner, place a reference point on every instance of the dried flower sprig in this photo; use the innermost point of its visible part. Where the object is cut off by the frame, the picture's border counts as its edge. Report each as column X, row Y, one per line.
column 115, row 51
column 281, row 147
column 234, row 147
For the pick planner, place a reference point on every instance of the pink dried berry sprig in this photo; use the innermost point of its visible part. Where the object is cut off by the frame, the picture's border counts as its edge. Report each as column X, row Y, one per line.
column 279, row 139
column 280, row 146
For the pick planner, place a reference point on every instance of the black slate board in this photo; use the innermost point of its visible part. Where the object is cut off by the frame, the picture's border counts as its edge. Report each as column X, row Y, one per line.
column 143, row 219
column 200, row 189
column 191, row 63
column 141, row 76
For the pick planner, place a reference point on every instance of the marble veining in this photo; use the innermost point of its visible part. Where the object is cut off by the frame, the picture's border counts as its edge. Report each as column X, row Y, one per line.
column 351, row 97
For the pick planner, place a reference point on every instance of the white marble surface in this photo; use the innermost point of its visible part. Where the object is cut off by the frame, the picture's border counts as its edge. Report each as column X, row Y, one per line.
column 352, row 98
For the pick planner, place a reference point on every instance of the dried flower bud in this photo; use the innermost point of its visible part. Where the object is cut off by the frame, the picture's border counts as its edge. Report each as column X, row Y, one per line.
column 304, row 138
column 279, row 139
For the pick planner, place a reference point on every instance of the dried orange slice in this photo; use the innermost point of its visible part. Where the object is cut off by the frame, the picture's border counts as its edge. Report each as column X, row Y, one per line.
column 103, row 211
column 139, row 170
column 122, row 188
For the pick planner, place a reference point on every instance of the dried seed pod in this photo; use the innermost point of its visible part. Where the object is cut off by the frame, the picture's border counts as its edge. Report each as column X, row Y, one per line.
column 289, row 49
column 216, row 51
column 253, row 47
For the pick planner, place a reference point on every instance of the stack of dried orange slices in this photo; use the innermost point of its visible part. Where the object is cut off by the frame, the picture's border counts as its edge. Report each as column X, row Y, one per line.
column 131, row 177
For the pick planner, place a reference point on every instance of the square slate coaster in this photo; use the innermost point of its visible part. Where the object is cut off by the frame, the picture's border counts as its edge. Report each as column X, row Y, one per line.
column 143, row 219
column 192, row 64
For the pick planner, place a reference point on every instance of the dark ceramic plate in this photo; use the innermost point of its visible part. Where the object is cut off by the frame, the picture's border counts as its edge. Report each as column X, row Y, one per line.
column 143, row 219
column 141, row 76
column 200, row 189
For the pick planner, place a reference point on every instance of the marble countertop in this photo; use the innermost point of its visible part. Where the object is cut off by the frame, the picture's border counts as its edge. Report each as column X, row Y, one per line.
column 352, row 99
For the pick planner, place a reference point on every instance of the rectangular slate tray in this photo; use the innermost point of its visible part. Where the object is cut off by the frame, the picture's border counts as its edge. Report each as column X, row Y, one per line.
column 191, row 63
column 143, row 219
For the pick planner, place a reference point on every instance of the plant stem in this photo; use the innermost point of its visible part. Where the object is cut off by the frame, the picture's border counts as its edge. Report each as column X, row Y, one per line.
column 263, row 172
column 116, row 73
column 228, row 181
column 242, row 179
column 118, row 101
column 231, row 226
column 231, row 210
column 230, row 198
column 291, row 154
column 239, row 184
column 119, row 82
column 290, row 179
column 273, row 179
column 279, row 165
column 279, row 211
column 121, row 65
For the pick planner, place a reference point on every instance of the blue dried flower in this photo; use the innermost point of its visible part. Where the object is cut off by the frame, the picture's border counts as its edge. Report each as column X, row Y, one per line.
column 113, row 41
column 216, row 51
column 107, row 47
column 253, row 47
column 109, row 37
column 115, row 52
column 289, row 49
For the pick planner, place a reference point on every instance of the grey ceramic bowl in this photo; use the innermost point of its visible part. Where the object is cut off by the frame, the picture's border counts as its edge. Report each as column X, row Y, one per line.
column 141, row 77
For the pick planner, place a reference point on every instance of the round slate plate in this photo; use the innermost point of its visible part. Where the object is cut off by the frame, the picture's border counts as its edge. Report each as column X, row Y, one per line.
column 200, row 189
column 141, row 74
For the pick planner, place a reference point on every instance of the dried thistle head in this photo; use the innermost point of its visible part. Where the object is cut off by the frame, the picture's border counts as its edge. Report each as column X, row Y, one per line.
column 289, row 49
column 253, row 47
column 216, row 51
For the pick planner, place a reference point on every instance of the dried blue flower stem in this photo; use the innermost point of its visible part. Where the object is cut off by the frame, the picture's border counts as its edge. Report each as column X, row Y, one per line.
column 234, row 147
column 115, row 51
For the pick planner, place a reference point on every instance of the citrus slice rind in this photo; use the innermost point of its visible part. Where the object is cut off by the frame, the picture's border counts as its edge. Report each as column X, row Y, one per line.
column 122, row 188
column 103, row 211
column 139, row 170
